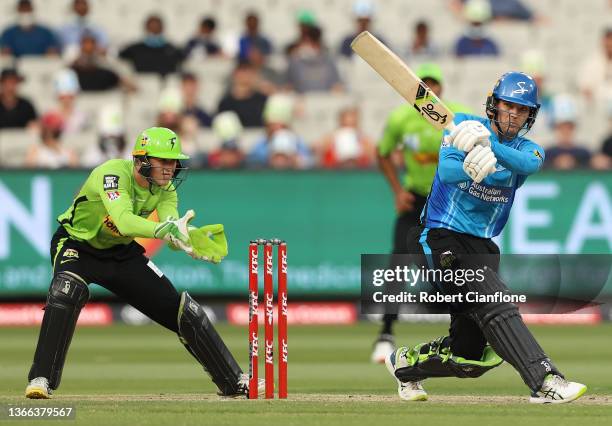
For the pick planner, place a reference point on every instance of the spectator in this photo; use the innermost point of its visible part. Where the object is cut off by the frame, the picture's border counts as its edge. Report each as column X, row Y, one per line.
column 283, row 148
column 50, row 154
column 269, row 80
column 513, row 10
column 347, row 147
column 188, row 132
column 312, row 69
column 475, row 42
column 228, row 156
column 252, row 37
column 228, row 130
column 306, row 20
column 278, row 115
column 566, row 154
column 67, row 88
column 204, row 43
column 533, row 64
column 422, row 48
column 595, row 74
column 170, row 106
column 93, row 73
column 71, row 34
column 243, row 97
column 111, row 138
column 27, row 37
column 15, row 111
column 603, row 159
column 363, row 10
column 191, row 106
column 154, row 54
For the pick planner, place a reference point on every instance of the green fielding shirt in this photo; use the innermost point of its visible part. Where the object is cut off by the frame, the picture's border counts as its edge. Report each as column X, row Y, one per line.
column 111, row 208
column 420, row 142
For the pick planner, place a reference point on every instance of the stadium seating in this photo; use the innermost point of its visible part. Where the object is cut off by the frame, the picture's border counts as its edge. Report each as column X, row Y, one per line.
column 569, row 32
column 14, row 146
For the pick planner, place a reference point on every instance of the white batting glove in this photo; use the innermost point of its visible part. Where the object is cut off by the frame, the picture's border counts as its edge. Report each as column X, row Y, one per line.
column 480, row 163
column 467, row 134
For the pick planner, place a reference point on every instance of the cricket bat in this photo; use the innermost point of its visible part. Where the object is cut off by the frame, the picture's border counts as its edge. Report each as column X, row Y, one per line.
column 403, row 80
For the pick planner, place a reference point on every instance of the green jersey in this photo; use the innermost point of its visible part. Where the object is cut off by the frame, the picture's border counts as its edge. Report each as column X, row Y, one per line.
column 111, row 208
column 420, row 141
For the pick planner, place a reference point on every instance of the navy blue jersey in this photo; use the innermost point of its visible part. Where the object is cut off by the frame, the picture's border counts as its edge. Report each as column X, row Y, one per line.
column 458, row 203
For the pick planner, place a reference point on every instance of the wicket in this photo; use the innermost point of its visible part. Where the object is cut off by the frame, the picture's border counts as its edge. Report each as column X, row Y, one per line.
column 268, row 317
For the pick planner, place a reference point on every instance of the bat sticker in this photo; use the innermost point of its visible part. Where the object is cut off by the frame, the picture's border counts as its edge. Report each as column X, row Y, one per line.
column 424, row 103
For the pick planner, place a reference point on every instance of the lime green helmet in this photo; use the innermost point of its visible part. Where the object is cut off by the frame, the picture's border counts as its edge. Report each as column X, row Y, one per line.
column 430, row 70
column 159, row 142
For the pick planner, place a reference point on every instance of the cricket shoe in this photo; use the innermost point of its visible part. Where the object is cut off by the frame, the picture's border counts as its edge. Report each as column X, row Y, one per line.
column 382, row 347
column 243, row 387
column 408, row 391
column 557, row 390
column 38, row 388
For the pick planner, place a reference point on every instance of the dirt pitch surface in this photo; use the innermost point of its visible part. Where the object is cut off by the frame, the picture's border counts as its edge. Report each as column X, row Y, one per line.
column 331, row 398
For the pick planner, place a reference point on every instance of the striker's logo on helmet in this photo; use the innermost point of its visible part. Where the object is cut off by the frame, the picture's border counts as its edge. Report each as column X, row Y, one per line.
column 144, row 140
column 521, row 89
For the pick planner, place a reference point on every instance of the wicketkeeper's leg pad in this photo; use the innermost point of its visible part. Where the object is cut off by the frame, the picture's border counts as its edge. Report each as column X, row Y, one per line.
column 201, row 339
column 67, row 295
column 435, row 359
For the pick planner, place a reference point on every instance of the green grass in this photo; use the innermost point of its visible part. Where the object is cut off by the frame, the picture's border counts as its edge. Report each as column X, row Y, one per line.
column 142, row 375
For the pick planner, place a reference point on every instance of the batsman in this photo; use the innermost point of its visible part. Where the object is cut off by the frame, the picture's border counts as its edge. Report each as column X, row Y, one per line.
column 94, row 243
column 482, row 163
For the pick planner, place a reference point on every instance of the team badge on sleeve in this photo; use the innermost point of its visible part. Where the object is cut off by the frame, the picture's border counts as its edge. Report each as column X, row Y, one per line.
column 111, row 182
column 537, row 154
column 113, row 195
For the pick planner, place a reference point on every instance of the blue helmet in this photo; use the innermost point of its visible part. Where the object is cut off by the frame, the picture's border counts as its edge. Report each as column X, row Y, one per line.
column 518, row 88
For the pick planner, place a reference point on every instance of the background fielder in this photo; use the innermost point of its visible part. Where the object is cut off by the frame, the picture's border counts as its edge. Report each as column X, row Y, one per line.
column 420, row 143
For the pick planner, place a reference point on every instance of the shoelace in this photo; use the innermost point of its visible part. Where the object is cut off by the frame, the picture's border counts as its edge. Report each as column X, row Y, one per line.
column 413, row 385
column 558, row 381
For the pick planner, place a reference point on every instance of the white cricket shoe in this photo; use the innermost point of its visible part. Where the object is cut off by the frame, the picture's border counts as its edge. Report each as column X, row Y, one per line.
column 38, row 388
column 243, row 387
column 408, row 391
column 383, row 347
column 557, row 390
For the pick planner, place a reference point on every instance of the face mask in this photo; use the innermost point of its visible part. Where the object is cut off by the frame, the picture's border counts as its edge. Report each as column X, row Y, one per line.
column 307, row 52
column 475, row 32
column 154, row 40
column 25, row 20
column 82, row 20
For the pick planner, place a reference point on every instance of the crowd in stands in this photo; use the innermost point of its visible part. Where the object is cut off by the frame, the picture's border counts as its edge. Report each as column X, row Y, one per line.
column 257, row 96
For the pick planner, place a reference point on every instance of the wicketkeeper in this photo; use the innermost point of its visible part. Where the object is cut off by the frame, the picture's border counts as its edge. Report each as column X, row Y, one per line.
column 483, row 161
column 95, row 244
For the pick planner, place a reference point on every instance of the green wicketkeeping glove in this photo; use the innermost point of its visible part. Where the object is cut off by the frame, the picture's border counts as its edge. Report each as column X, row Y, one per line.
column 208, row 243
